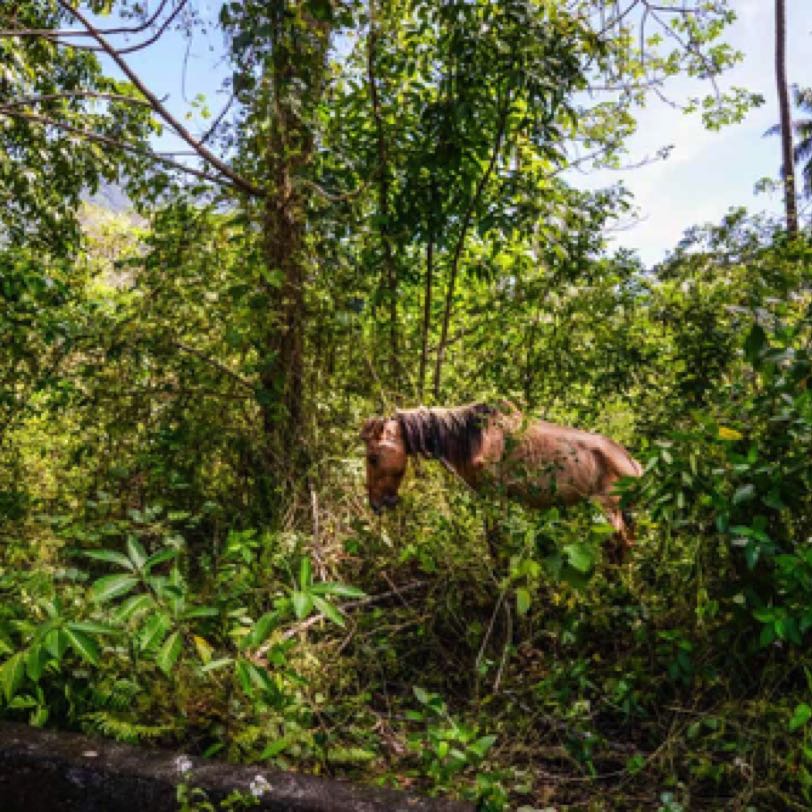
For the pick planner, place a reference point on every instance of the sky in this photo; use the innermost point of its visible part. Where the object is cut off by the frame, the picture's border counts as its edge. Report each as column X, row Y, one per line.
column 705, row 175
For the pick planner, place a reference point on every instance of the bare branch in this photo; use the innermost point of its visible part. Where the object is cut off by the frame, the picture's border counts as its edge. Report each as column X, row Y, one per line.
column 237, row 180
column 157, row 35
column 75, row 94
column 214, row 363
column 108, row 141
column 79, row 32
column 218, row 120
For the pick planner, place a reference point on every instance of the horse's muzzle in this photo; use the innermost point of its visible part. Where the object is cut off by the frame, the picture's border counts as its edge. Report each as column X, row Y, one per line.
column 386, row 502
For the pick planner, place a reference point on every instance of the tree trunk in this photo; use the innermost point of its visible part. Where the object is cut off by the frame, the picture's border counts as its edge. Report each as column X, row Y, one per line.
column 424, row 343
column 788, row 162
column 299, row 56
column 390, row 276
column 460, row 244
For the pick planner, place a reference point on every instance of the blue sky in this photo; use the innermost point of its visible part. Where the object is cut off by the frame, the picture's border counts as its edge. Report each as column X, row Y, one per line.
column 706, row 173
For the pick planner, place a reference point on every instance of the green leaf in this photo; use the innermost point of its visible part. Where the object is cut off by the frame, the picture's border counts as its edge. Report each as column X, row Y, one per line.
column 261, row 630
column 422, row 696
column 11, row 674
column 580, row 557
column 93, row 628
column 154, row 631
column 754, row 344
column 522, row 600
column 302, row 604
column 112, row 586
column 305, row 573
column 321, row 10
column 744, row 493
column 169, row 653
column 201, row 611
column 136, row 552
column 214, row 665
column 109, row 556
column 481, row 746
column 56, row 642
column 83, row 644
column 159, row 558
column 342, row 590
column 801, row 715
column 328, row 610
column 274, row 748
column 133, row 606
column 35, row 662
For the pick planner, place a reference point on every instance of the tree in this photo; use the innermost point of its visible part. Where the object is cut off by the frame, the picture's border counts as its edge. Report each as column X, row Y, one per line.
column 802, row 151
column 787, row 167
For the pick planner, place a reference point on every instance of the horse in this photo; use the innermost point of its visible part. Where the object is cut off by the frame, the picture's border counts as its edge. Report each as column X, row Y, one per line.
column 535, row 462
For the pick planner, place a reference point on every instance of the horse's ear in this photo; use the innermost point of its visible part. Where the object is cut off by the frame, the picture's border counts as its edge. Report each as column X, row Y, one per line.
column 371, row 429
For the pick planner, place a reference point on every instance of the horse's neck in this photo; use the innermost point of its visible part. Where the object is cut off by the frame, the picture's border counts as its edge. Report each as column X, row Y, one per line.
column 463, row 475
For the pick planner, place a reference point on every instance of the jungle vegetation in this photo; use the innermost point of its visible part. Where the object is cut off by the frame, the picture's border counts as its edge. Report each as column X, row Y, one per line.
column 381, row 215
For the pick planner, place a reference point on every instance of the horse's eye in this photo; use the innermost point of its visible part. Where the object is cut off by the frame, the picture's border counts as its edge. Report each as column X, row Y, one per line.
column 372, row 459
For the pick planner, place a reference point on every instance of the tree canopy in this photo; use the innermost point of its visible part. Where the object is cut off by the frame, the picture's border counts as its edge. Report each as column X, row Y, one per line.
column 381, row 215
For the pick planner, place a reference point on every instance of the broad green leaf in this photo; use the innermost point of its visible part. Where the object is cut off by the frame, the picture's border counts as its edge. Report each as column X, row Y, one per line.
column 481, row 746
column 305, row 574
column 201, row 611
column 112, row 586
column 92, row 628
column 154, row 631
column 11, row 674
column 800, row 716
column 83, row 644
column 580, row 557
column 744, row 493
column 133, row 606
column 328, row 610
column 35, row 662
column 274, row 748
column 341, row 590
column 169, row 652
column 56, row 642
column 302, row 604
column 111, row 557
column 522, row 600
column 214, row 665
column 204, row 649
column 159, row 558
column 261, row 630
column 136, row 552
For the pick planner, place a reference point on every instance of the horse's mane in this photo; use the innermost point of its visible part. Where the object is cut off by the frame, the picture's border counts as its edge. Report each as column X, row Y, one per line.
column 454, row 435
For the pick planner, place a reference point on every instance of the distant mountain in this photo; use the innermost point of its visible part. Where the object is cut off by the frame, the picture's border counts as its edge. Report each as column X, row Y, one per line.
column 110, row 196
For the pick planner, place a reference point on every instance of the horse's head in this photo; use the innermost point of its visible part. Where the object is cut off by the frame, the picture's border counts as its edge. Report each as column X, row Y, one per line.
column 386, row 461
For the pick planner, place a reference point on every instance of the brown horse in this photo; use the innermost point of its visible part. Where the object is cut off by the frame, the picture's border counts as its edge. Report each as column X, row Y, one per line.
column 535, row 462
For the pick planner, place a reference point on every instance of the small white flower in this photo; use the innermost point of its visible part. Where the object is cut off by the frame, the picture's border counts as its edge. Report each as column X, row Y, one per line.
column 259, row 786
column 183, row 764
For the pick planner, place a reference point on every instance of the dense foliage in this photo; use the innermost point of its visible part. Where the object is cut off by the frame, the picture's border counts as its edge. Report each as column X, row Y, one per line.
column 186, row 555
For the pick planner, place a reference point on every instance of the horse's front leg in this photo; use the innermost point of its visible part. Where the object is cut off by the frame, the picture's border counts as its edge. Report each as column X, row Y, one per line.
column 622, row 540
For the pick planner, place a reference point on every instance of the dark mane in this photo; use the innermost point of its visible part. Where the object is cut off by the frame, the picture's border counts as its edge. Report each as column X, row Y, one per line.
column 454, row 435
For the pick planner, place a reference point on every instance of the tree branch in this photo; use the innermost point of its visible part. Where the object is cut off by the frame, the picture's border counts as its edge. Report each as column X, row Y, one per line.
column 243, row 184
column 75, row 94
column 466, row 224
column 215, row 363
column 108, row 141
column 78, row 32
